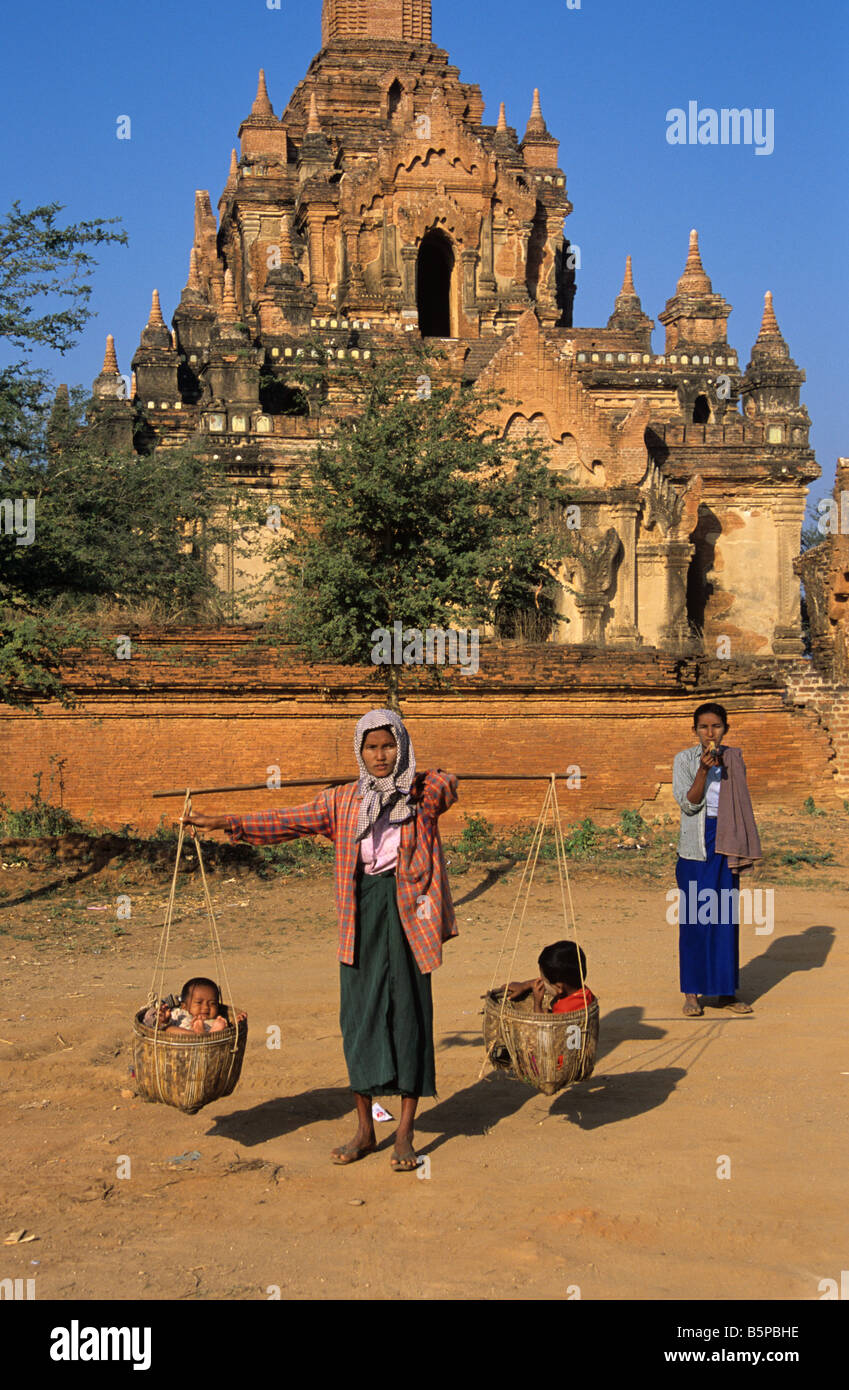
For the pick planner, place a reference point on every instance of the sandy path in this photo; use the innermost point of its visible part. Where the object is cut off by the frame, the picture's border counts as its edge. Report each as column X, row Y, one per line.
column 610, row 1187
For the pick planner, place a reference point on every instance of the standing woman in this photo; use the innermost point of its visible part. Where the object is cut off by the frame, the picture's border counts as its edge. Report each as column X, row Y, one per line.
column 395, row 911
column 718, row 839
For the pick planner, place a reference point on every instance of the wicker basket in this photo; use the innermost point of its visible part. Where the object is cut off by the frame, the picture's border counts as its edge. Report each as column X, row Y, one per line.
column 188, row 1072
column 540, row 1049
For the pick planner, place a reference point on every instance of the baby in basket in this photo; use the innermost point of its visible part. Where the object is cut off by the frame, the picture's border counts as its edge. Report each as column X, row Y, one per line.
column 197, row 1012
column 560, row 988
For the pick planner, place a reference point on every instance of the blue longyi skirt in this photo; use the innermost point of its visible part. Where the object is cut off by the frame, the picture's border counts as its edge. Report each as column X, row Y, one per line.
column 708, row 933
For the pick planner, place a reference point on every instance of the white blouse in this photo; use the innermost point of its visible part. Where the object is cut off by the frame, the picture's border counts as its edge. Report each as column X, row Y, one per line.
column 714, row 779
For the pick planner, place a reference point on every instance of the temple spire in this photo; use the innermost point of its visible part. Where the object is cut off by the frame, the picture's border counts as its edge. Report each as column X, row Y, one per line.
column 110, row 360
column 695, row 317
column 155, row 333
column 628, row 316
column 262, row 105
column 366, row 20
column 769, row 323
column 770, row 345
column 694, row 279
column 536, row 121
column 502, row 119
column 193, row 282
column 155, row 320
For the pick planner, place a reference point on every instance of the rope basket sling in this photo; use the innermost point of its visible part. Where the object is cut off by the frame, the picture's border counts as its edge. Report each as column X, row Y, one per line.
column 547, row 1051
column 187, row 1073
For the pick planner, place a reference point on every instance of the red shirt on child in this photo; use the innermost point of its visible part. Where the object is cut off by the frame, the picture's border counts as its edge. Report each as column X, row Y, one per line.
column 569, row 1002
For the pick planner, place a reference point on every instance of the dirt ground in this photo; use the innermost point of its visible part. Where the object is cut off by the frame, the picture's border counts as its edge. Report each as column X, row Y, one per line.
column 609, row 1190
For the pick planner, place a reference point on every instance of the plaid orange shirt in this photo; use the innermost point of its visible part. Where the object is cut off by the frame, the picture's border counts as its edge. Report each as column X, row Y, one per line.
column 421, row 882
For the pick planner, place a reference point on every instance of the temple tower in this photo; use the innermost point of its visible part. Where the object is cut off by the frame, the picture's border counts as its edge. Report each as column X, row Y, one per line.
column 405, row 20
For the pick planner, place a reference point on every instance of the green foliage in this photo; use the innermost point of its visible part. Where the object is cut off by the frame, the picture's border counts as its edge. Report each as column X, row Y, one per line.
column 44, row 302
column 477, row 839
column 813, row 857
column 632, row 823
column 414, row 510
column 110, row 532
column 40, row 818
column 125, row 528
column 279, row 398
column 297, row 856
column 584, row 839
column 811, row 533
column 165, row 832
column 810, row 807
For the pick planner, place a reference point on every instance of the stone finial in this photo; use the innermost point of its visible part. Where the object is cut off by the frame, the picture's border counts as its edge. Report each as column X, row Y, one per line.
column 233, row 171
column 694, row 280
column 770, row 346
column 536, row 122
column 193, row 282
column 155, row 320
column 628, row 312
column 229, row 307
column 769, row 323
column 502, row 120
column 133, row 386
column 110, row 361
column 313, row 123
column 262, row 105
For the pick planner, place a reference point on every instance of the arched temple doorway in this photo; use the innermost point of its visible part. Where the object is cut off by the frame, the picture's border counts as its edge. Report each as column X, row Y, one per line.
column 434, row 275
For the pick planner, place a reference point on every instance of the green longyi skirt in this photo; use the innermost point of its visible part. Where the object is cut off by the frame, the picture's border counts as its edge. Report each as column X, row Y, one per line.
column 386, row 1011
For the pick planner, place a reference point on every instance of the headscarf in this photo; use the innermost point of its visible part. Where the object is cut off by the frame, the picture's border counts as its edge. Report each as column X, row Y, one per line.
column 378, row 793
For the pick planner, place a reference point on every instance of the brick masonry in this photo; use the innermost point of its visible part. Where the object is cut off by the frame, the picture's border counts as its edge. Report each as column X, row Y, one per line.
column 213, row 708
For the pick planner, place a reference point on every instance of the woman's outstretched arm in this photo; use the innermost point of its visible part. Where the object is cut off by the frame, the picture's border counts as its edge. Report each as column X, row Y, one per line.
column 272, row 827
column 436, row 791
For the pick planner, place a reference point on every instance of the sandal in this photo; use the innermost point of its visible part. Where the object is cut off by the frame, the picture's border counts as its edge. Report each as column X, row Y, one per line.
column 737, row 1006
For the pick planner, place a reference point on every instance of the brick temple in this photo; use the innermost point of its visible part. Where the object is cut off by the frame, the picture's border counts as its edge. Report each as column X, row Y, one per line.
column 378, row 207
column 376, row 210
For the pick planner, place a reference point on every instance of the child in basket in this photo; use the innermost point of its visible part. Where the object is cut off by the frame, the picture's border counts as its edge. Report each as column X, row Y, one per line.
column 560, row 988
column 198, row 1011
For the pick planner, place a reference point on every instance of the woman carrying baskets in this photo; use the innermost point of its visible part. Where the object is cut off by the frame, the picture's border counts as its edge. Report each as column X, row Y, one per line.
column 394, row 908
column 718, row 839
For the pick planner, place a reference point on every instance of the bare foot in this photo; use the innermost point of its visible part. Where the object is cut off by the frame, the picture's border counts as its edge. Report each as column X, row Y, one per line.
column 354, row 1150
column 404, row 1158
column 692, row 1007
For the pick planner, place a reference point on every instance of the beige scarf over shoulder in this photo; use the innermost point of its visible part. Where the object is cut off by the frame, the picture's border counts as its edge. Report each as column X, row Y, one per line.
column 736, row 833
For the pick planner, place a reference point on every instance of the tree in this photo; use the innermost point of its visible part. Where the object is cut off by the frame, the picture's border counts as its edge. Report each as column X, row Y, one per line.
column 46, row 267
column 85, row 533
column 415, row 510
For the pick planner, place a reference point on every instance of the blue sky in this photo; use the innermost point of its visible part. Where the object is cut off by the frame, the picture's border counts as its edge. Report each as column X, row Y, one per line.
column 608, row 72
